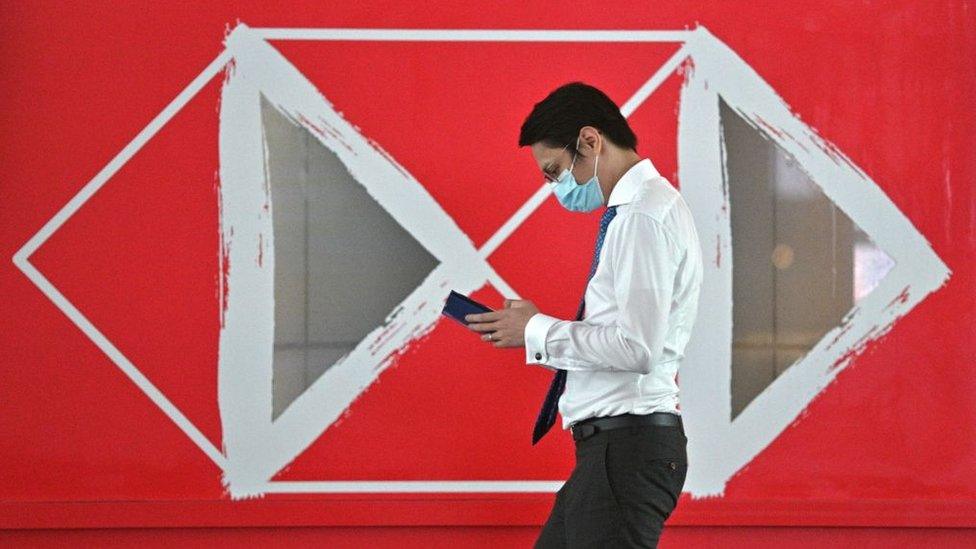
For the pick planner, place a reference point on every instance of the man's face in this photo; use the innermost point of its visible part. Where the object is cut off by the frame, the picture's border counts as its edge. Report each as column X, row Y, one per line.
column 551, row 160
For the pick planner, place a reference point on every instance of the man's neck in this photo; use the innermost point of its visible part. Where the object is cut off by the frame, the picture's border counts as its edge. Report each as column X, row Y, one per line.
column 618, row 165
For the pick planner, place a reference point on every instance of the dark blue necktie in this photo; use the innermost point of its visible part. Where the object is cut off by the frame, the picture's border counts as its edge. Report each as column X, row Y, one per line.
column 547, row 415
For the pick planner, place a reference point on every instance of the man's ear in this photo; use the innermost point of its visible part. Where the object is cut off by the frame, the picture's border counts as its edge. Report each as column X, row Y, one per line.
column 592, row 137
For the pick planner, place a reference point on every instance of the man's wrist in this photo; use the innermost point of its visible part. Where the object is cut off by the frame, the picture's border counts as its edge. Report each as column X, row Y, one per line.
column 536, row 333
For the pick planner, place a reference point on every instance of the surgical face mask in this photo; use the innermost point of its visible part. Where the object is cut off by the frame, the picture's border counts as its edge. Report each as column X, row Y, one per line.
column 574, row 196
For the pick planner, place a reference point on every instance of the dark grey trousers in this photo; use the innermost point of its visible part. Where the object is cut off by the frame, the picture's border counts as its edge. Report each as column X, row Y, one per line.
column 625, row 484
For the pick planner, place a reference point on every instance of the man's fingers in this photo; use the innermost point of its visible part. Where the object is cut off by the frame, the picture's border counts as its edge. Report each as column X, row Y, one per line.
column 483, row 326
column 483, row 317
column 499, row 339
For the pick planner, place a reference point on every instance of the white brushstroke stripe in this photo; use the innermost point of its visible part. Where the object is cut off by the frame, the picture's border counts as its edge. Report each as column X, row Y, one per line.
column 479, row 35
column 246, row 351
column 724, row 446
column 258, row 448
column 705, row 387
column 420, row 486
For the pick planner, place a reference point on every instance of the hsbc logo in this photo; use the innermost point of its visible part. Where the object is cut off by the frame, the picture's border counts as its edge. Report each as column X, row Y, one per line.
column 257, row 445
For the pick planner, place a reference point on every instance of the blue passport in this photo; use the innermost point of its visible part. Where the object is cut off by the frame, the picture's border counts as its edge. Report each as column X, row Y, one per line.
column 459, row 305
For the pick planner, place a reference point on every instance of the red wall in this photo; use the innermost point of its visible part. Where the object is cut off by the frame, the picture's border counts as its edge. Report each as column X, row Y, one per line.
column 890, row 444
column 430, row 537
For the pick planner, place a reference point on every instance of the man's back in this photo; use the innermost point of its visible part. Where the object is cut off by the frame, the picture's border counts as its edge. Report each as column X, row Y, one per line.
column 662, row 202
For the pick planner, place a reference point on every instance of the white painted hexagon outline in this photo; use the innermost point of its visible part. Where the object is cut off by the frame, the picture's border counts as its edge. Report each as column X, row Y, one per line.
column 718, row 447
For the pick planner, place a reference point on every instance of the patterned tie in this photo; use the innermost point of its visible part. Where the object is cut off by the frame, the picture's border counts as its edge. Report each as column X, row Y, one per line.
column 547, row 416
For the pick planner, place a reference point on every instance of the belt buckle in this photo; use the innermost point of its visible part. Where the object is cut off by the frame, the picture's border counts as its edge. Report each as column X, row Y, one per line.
column 584, row 431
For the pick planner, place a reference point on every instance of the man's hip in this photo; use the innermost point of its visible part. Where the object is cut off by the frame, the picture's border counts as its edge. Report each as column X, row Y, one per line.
column 581, row 430
column 626, row 483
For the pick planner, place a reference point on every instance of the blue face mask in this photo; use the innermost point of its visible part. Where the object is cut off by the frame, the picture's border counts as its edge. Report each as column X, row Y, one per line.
column 574, row 196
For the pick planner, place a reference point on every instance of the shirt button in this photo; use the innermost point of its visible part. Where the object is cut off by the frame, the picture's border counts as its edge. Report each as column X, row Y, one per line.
column 538, row 356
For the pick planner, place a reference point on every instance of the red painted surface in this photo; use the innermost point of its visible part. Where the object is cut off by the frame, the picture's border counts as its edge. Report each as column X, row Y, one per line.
column 475, row 537
column 890, row 444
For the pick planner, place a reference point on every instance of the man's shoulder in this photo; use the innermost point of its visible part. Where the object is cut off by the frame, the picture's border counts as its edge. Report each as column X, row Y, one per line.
column 662, row 203
column 656, row 198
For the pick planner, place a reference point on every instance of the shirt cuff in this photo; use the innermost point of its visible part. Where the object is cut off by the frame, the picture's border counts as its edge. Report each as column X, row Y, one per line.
column 536, row 332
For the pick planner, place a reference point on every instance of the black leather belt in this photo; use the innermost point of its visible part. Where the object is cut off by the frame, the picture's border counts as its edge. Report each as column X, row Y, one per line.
column 589, row 427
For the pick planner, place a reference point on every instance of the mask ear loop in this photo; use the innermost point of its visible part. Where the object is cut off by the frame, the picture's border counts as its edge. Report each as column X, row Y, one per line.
column 596, row 165
column 573, row 163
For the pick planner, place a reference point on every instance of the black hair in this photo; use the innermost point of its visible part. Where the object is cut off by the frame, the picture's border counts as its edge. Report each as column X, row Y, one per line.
column 556, row 120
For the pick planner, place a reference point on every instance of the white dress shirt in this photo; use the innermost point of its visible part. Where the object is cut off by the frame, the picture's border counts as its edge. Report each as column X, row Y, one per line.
column 641, row 304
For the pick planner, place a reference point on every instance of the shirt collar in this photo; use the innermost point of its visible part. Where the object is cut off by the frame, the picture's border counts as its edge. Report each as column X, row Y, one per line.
column 630, row 182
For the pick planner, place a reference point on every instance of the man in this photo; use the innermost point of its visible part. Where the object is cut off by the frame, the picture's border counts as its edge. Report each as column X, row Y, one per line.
column 616, row 365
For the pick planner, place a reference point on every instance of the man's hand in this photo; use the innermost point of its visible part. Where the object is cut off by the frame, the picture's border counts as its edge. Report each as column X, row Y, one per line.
column 505, row 327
